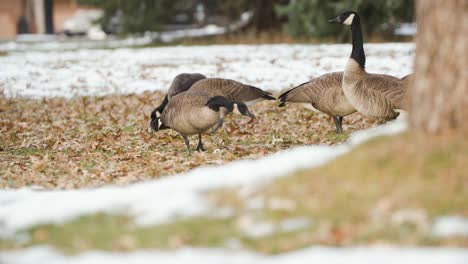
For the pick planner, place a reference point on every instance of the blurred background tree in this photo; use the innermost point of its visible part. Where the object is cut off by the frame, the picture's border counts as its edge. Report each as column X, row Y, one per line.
column 297, row 18
column 139, row 16
column 309, row 18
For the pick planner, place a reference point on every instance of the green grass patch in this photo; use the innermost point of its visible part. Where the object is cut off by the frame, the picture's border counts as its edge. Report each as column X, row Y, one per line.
column 388, row 190
column 337, row 138
column 119, row 233
column 358, row 199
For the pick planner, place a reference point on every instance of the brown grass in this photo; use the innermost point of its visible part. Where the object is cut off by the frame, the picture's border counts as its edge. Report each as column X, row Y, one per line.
column 91, row 141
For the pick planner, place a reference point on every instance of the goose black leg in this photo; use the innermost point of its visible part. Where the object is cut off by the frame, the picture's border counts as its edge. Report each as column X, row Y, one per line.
column 338, row 123
column 340, row 118
column 187, row 144
column 218, row 125
column 200, row 144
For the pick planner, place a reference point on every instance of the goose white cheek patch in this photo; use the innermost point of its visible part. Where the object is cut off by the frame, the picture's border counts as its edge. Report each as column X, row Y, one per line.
column 236, row 109
column 158, row 116
column 159, row 122
column 349, row 20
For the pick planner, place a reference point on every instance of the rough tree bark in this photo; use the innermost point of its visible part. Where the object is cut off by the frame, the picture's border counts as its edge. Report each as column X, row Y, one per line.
column 439, row 95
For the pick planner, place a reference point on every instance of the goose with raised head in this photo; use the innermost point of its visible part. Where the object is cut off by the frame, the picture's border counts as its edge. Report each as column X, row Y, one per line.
column 191, row 113
column 324, row 93
column 374, row 95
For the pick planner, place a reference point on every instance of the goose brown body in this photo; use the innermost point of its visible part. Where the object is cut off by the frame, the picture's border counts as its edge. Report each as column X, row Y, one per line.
column 374, row 95
column 324, row 93
column 192, row 112
column 188, row 114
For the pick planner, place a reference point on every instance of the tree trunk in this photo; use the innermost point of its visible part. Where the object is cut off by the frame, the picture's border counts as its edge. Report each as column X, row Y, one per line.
column 265, row 17
column 438, row 97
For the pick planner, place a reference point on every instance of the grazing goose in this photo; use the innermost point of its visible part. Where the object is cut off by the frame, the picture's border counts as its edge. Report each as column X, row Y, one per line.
column 191, row 113
column 374, row 95
column 325, row 94
column 232, row 90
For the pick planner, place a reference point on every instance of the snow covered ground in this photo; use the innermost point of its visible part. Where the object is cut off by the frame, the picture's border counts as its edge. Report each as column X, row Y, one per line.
column 125, row 70
column 24, row 208
column 56, row 72
column 328, row 255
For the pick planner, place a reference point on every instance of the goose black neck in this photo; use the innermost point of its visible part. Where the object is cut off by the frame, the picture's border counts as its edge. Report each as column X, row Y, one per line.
column 358, row 47
column 163, row 104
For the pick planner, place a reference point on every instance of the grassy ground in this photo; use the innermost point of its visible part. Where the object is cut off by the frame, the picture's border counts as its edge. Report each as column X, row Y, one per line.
column 386, row 191
column 91, row 141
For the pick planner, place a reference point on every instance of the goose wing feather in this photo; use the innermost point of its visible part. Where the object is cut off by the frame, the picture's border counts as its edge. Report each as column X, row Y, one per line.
column 231, row 89
column 390, row 87
column 312, row 91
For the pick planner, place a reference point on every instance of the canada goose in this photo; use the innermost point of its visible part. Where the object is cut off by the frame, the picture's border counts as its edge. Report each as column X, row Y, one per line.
column 191, row 113
column 325, row 94
column 374, row 95
column 232, row 90
column 179, row 84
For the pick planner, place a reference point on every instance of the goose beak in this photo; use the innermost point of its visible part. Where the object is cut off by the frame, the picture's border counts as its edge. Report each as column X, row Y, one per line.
column 154, row 124
column 245, row 111
column 219, row 124
column 251, row 115
column 335, row 20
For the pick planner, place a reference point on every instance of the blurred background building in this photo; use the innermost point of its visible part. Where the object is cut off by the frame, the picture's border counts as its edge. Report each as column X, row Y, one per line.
column 37, row 16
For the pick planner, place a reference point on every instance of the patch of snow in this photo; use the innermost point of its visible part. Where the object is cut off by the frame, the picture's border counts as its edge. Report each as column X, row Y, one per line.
column 318, row 254
column 159, row 201
column 389, row 128
column 406, row 29
column 447, row 226
column 208, row 30
column 251, row 227
column 49, row 43
column 293, row 224
column 80, row 72
column 223, row 212
column 255, row 203
column 414, row 216
column 281, row 204
column 35, row 38
column 232, row 243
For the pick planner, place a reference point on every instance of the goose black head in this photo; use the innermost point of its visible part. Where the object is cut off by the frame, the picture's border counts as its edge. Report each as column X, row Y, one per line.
column 156, row 124
column 241, row 108
column 156, row 114
column 346, row 18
